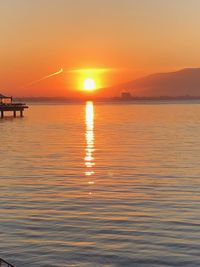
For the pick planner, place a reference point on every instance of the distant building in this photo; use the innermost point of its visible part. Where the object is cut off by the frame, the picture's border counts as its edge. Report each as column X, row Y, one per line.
column 125, row 95
column 5, row 99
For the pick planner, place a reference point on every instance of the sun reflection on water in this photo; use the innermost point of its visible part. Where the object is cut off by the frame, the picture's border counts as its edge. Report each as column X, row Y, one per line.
column 89, row 135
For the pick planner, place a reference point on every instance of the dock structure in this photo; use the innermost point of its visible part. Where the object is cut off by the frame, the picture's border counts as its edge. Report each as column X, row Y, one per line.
column 4, row 263
column 6, row 104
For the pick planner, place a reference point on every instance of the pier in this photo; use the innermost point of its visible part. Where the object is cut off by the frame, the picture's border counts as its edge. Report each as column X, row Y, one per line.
column 6, row 104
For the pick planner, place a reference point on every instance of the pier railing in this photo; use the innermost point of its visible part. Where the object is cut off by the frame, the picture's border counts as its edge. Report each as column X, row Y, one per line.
column 4, row 263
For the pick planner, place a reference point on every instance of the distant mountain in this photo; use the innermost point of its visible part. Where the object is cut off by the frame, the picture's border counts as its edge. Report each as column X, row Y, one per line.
column 178, row 83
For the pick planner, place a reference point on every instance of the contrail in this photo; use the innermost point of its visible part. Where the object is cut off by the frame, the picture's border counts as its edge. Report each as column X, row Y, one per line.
column 45, row 77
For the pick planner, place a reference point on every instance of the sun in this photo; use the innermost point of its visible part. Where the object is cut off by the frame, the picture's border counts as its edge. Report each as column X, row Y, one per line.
column 90, row 80
column 89, row 84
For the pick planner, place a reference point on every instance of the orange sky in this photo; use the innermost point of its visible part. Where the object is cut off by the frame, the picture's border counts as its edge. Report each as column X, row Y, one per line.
column 130, row 37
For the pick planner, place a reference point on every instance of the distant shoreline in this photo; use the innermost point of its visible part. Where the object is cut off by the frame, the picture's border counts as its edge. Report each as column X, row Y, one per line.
column 105, row 99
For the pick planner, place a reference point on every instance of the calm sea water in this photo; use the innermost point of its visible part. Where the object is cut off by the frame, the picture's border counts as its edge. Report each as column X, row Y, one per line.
column 101, row 185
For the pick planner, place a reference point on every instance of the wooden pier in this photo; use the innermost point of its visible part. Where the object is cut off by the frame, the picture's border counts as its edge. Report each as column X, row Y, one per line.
column 14, row 107
column 6, row 104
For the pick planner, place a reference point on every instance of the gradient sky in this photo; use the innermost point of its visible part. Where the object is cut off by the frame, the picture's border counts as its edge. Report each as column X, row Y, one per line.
column 132, row 37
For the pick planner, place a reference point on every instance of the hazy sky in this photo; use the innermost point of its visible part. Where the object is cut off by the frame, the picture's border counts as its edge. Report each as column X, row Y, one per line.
column 134, row 37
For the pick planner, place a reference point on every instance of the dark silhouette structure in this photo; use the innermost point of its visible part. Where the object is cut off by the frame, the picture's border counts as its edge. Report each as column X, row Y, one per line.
column 125, row 95
column 5, row 99
column 6, row 104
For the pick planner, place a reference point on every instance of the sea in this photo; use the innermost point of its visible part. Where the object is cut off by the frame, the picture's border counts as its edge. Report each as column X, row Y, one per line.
column 101, row 184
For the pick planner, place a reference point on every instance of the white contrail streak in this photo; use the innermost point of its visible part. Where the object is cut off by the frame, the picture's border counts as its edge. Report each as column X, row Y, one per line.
column 45, row 77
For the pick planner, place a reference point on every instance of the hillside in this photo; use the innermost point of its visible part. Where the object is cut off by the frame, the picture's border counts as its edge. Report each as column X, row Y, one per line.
column 179, row 83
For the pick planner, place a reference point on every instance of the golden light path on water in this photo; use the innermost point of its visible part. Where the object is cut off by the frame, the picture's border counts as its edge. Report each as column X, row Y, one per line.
column 143, row 197
column 89, row 136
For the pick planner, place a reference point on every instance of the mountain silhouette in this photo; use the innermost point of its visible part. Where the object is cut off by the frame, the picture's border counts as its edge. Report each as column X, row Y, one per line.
column 179, row 83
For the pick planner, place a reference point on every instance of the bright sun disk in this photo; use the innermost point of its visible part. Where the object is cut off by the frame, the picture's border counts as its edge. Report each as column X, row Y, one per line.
column 89, row 84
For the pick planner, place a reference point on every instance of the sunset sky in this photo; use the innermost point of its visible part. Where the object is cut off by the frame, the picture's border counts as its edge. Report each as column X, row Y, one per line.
column 126, row 38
